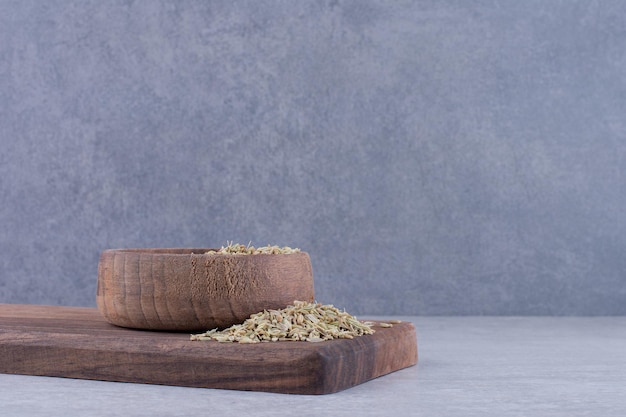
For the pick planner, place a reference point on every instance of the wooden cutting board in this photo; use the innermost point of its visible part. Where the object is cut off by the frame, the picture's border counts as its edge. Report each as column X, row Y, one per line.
column 75, row 342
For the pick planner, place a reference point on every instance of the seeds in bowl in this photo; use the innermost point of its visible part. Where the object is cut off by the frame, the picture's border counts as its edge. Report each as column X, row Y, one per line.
column 239, row 249
column 302, row 321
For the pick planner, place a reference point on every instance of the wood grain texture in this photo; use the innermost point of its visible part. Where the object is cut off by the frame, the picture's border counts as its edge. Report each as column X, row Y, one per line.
column 187, row 290
column 76, row 342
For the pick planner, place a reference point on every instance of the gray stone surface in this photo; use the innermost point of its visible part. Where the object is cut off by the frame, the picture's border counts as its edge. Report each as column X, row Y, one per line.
column 468, row 366
column 433, row 157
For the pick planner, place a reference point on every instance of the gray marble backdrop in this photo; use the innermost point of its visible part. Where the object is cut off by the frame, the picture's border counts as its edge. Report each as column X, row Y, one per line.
column 432, row 156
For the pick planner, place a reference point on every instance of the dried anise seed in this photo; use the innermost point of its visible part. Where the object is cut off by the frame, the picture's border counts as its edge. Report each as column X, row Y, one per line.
column 239, row 249
column 312, row 322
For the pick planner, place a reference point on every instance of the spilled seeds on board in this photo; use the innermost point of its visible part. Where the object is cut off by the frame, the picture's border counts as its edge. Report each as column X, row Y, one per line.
column 302, row 321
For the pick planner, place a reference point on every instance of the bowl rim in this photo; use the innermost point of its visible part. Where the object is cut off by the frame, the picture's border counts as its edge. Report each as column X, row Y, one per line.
column 190, row 251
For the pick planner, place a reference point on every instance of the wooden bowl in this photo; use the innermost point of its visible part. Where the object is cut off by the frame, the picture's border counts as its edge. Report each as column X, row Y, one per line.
column 187, row 290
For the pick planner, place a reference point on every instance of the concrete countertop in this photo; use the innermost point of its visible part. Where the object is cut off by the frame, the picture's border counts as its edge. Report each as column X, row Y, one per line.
column 468, row 366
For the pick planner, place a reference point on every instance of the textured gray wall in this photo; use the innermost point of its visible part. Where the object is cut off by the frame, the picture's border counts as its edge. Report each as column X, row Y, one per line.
column 433, row 157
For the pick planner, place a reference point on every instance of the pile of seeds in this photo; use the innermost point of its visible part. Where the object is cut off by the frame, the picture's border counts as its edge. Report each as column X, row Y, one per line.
column 311, row 322
column 239, row 249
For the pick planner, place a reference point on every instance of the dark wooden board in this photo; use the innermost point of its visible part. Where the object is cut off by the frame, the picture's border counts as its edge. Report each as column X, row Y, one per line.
column 75, row 342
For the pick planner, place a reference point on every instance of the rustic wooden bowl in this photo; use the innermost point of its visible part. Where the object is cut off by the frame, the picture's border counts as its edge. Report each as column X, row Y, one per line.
column 187, row 290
